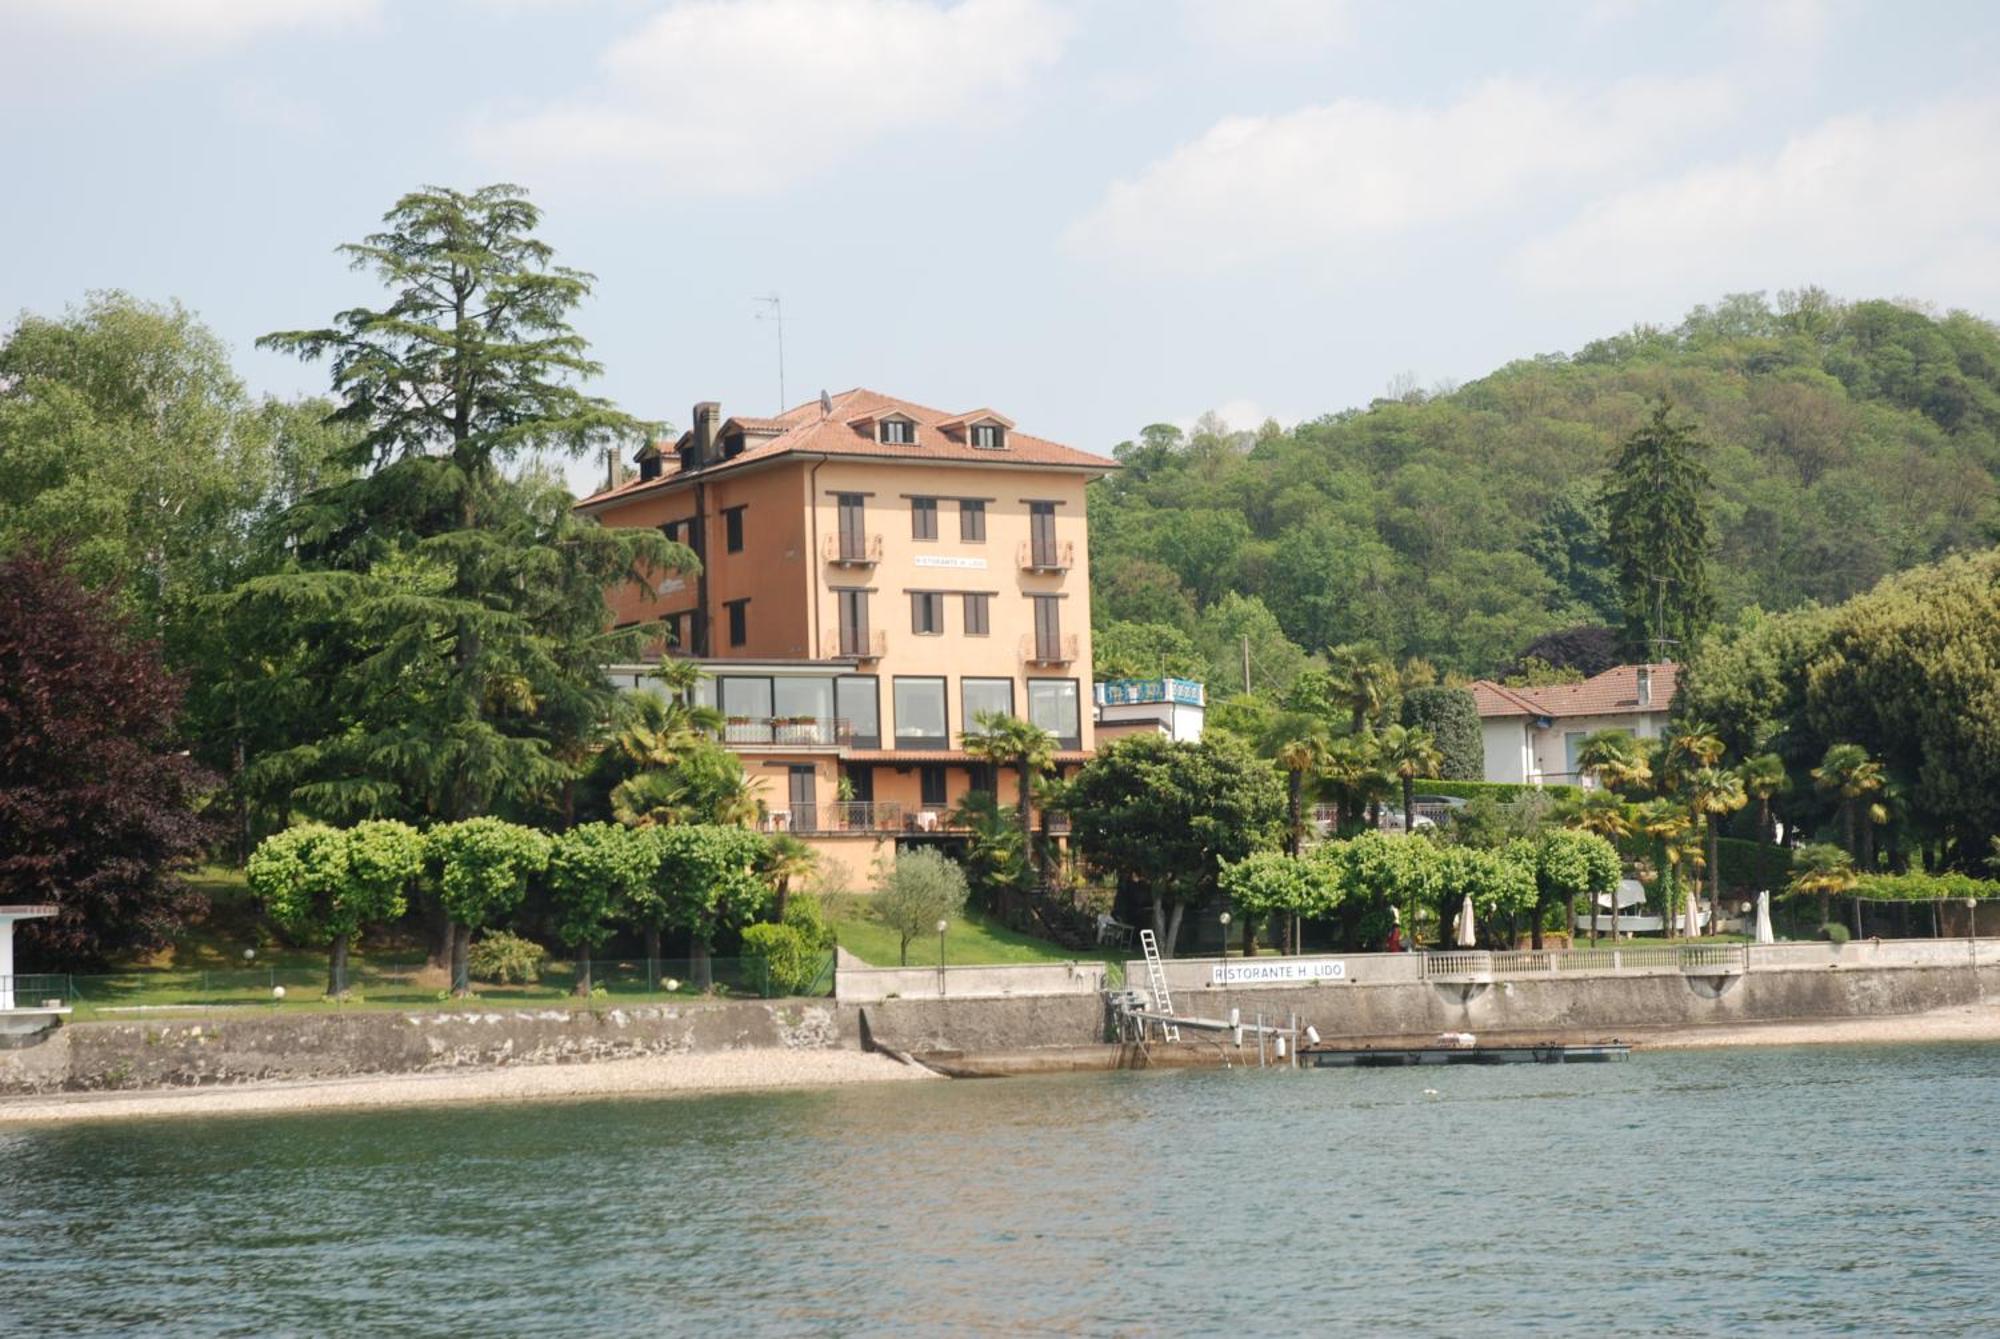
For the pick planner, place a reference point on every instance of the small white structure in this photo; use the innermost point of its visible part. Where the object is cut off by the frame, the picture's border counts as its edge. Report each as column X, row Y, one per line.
column 1175, row 708
column 18, row 1015
column 1631, row 893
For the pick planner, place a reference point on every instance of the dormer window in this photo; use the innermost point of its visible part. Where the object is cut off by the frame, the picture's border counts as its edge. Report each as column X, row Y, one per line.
column 897, row 432
column 989, row 436
column 649, row 467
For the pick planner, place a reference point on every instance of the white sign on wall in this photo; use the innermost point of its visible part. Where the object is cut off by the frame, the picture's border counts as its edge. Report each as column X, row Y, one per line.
column 948, row 560
column 1277, row 971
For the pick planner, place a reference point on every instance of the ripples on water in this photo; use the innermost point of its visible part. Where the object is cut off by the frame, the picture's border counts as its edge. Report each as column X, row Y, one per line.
column 1831, row 1190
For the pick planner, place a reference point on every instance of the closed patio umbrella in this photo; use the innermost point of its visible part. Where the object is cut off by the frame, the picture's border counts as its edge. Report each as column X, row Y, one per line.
column 1468, row 928
column 1764, row 935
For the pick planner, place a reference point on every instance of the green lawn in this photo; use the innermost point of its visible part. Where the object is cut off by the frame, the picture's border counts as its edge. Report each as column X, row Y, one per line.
column 971, row 941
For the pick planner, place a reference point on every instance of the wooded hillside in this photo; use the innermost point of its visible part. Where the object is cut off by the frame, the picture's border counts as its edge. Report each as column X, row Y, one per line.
column 1849, row 441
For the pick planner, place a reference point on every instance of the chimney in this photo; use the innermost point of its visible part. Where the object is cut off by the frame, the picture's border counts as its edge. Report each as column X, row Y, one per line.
column 1645, row 685
column 707, row 418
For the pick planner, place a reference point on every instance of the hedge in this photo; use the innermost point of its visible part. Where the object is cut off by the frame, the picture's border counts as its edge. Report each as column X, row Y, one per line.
column 1917, row 887
column 1503, row 791
column 1758, row 866
column 1452, row 717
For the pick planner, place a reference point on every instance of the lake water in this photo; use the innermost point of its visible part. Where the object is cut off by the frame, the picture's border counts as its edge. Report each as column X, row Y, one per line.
column 1841, row 1190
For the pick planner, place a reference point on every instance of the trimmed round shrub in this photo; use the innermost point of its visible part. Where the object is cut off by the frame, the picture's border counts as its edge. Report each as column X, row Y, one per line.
column 1834, row 933
column 505, row 959
column 1452, row 717
column 789, row 960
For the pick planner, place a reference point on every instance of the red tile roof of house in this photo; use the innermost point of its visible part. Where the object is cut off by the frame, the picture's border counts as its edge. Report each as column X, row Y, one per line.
column 806, row 431
column 1612, row 693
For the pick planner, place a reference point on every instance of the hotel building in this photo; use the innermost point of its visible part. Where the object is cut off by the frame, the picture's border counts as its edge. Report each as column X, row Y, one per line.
column 875, row 574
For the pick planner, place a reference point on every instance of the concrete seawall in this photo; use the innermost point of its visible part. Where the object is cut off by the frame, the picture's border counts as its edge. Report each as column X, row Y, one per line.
column 219, row 1048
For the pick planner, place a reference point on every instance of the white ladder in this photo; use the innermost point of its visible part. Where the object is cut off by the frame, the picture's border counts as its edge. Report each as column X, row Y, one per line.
column 1156, row 980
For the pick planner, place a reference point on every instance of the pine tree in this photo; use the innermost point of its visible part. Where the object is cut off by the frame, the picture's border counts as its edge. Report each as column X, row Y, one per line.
column 1656, row 505
column 451, row 602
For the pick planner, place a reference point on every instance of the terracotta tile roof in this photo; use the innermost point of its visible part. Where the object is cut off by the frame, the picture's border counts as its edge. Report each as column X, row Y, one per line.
column 1612, row 693
column 805, row 431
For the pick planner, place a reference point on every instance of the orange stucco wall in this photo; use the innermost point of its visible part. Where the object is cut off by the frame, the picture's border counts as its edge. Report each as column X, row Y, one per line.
column 772, row 572
column 956, row 566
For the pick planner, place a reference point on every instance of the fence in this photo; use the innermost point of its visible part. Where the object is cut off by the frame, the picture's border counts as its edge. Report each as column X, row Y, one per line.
column 416, row 985
column 1463, row 965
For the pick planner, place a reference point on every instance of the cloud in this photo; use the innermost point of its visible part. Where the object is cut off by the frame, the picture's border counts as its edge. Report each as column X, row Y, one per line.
column 190, row 25
column 1265, row 29
column 720, row 98
column 1877, row 204
column 1331, row 178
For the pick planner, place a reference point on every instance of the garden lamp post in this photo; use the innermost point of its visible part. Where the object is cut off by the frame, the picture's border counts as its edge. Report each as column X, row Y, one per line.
column 1972, row 929
column 942, row 926
column 1225, row 940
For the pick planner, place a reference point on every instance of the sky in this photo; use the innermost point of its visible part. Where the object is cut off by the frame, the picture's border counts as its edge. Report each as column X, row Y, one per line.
column 1089, row 216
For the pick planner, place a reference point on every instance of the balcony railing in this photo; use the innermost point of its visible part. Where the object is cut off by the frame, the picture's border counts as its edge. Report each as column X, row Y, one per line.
column 788, row 731
column 1059, row 650
column 852, row 551
column 838, row 816
column 1045, row 557
column 869, row 646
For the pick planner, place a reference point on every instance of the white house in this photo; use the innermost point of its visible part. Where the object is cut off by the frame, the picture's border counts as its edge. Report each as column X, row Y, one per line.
column 1533, row 734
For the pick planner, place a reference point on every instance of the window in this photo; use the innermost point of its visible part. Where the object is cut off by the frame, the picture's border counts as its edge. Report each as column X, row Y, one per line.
column 739, row 621
column 861, row 779
column 853, row 622
column 1042, row 533
column 853, row 534
column 649, row 468
column 1048, row 627
column 977, row 615
column 800, row 794
column 673, row 622
column 812, row 696
column 930, row 786
column 732, row 529
column 923, row 518
column 898, row 431
column 921, row 721
column 972, row 520
column 854, row 701
column 983, row 695
column 745, row 697
column 927, row 613
column 1052, row 704
column 989, row 436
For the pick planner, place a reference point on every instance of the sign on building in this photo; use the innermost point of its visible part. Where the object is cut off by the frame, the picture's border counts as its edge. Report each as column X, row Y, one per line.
column 1277, row 971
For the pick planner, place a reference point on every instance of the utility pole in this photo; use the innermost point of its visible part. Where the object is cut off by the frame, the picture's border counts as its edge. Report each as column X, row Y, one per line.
column 774, row 311
column 1246, row 664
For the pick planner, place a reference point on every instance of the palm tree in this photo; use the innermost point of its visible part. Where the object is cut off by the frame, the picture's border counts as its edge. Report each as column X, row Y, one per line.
column 1366, row 679
column 1825, row 869
column 1714, row 792
column 680, row 676
column 1614, row 759
column 1764, row 777
column 1000, row 740
column 1301, row 758
column 1603, row 813
column 661, row 731
column 1408, row 752
column 1347, row 770
column 784, row 859
column 1848, row 771
column 1668, row 825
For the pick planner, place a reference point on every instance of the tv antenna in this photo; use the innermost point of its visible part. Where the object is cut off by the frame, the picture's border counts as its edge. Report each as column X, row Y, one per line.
column 772, row 308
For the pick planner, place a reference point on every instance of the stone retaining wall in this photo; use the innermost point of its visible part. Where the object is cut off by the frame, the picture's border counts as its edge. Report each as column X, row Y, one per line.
column 214, row 1048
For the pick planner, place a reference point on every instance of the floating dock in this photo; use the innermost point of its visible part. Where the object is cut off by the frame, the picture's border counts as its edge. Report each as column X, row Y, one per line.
column 1388, row 1057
